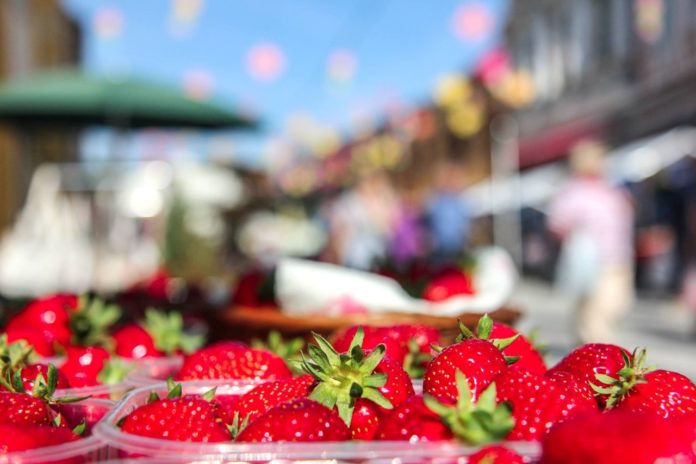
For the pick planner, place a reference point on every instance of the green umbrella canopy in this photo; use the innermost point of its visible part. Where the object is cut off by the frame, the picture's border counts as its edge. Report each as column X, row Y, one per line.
column 74, row 98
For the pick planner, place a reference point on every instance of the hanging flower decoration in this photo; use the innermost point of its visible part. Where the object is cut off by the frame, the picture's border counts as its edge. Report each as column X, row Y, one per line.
column 265, row 62
column 198, row 84
column 473, row 21
column 341, row 66
column 184, row 16
column 108, row 23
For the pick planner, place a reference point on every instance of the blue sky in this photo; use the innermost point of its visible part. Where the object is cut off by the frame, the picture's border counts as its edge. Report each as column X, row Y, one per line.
column 396, row 50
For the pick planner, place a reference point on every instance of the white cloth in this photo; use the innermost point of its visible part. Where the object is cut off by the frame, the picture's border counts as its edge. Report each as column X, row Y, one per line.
column 307, row 287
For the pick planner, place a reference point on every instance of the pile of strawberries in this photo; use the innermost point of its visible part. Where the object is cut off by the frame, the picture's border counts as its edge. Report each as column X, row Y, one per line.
column 93, row 347
column 599, row 404
column 489, row 388
column 29, row 415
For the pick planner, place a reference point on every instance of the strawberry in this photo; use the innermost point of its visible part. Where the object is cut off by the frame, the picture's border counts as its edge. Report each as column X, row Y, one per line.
column 231, row 360
column 538, row 402
column 419, row 341
column 587, row 361
column 21, row 437
column 620, row 437
column 665, row 393
column 361, row 385
column 300, row 420
column 160, row 334
column 187, row 418
column 373, row 336
column 31, row 373
column 65, row 319
column 495, row 454
column 474, row 422
column 50, row 315
column 20, row 408
column 290, row 351
column 479, row 360
column 570, row 382
column 267, row 395
column 33, row 337
column 642, row 389
column 248, row 288
column 528, row 356
column 83, row 365
column 447, row 284
column 86, row 367
column 413, row 421
column 16, row 358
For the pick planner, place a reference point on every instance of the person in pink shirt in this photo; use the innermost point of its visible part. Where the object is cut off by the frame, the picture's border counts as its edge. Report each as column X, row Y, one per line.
column 594, row 221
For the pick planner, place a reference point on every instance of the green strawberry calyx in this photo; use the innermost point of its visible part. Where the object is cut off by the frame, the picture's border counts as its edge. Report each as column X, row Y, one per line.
column 290, row 351
column 475, row 423
column 114, row 371
column 91, row 321
column 44, row 386
column 632, row 374
column 14, row 356
column 415, row 360
column 167, row 332
column 346, row 377
column 483, row 332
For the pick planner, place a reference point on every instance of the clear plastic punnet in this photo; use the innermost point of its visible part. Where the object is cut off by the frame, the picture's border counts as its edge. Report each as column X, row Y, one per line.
column 151, row 371
column 88, row 449
column 105, row 392
column 125, row 445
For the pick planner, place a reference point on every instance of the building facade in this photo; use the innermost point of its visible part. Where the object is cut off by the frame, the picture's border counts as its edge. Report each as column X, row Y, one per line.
column 618, row 69
column 35, row 35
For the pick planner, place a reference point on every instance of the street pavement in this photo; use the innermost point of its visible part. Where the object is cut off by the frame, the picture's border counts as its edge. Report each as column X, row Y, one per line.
column 664, row 326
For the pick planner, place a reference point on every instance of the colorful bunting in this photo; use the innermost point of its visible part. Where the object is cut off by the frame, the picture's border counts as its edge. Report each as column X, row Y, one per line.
column 265, row 62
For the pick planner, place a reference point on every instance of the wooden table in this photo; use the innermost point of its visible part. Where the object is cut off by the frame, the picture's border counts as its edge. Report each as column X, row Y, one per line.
column 243, row 323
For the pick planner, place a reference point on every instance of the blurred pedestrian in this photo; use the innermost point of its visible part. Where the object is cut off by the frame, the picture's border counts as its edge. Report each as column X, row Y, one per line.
column 362, row 221
column 449, row 217
column 594, row 220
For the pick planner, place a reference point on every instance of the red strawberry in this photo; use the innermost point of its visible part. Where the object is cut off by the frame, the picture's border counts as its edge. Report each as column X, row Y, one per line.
column 367, row 414
column 569, row 382
column 528, row 356
column 362, row 385
column 642, row 389
column 63, row 319
column 620, row 437
column 538, row 403
column 479, row 360
column 413, row 421
column 16, row 437
column 226, row 407
column 132, row 341
column 665, row 393
column 587, row 361
column 449, row 283
column 248, row 289
column 160, row 334
column 495, row 454
column 30, row 374
column 50, row 315
column 474, row 422
column 423, row 335
column 300, row 419
column 83, row 365
column 267, row 395
column 373, row 336
column 20, row 408
column 231, row 360
column 189, row 418
column 34, row 338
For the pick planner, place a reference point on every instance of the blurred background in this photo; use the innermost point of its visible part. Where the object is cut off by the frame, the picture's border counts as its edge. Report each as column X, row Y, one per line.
column 192, row 144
